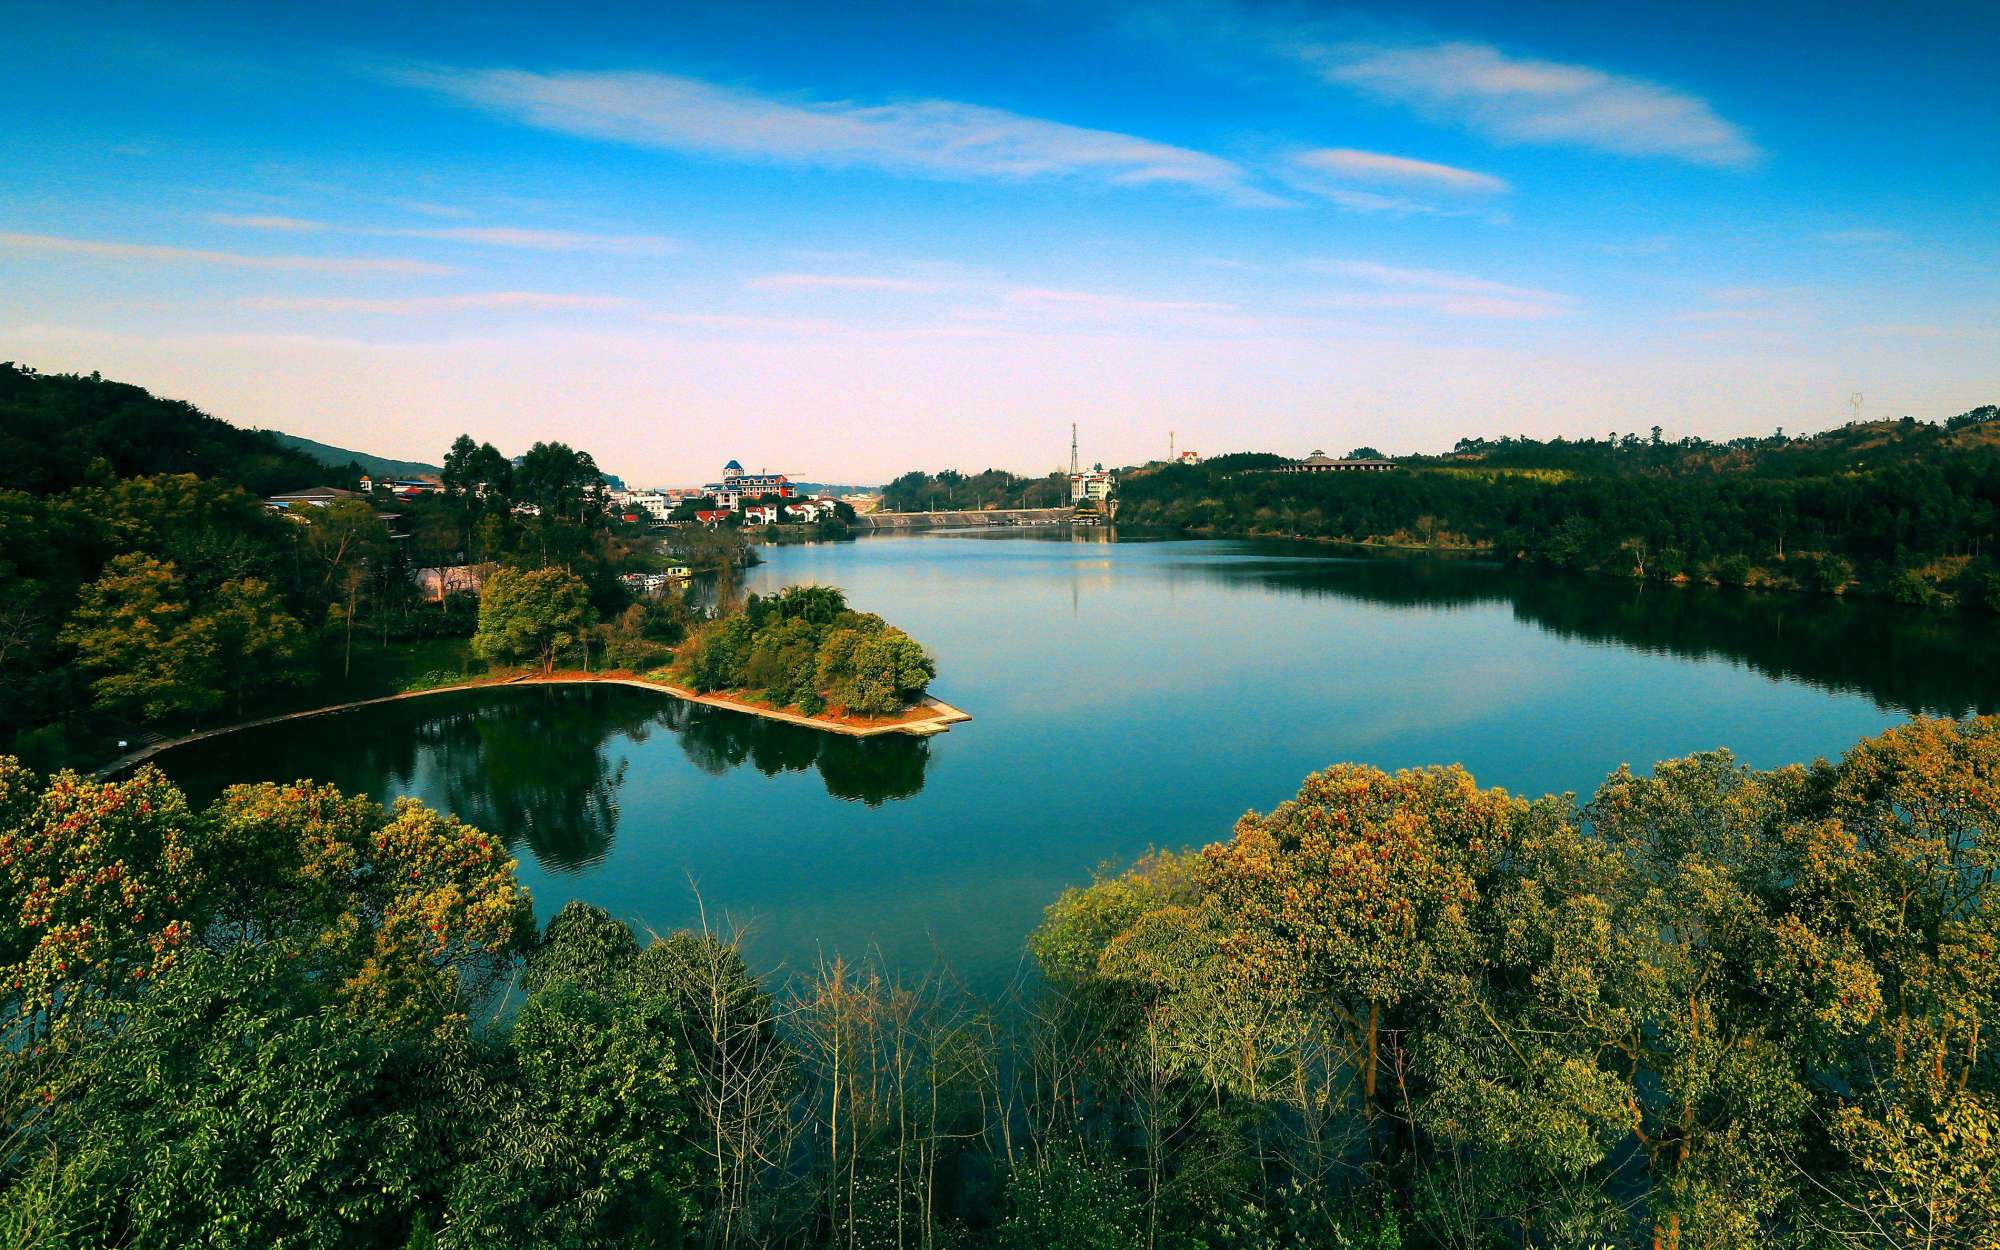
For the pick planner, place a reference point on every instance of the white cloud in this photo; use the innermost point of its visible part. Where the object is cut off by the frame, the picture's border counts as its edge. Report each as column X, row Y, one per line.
column 426, row 305
column 1439, row 291
column 1521, row 100
column 1356, row 164
column 1100, row 304
column 930, row 138
column 837, row 282
column 488, row 236
column 112, row 250
column 733, row 321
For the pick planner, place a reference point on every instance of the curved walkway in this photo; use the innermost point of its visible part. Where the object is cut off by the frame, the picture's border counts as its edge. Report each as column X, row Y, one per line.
column 930, row 716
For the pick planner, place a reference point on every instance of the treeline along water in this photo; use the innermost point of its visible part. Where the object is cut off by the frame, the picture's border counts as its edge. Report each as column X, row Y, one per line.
column 1126, row 695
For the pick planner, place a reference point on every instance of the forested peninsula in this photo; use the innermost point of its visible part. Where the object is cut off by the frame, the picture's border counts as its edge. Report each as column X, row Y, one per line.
column 163, row 571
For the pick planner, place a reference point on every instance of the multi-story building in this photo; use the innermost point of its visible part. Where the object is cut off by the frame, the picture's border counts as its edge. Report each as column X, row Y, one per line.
column 737, row 486
column 1094, row 484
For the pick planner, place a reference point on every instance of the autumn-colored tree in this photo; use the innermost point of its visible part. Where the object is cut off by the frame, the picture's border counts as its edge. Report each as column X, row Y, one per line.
column 100, row 888
column 533, row 614
column 417, row 911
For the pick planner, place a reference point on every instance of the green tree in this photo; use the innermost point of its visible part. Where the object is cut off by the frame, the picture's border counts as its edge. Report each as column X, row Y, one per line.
column 226, row 1108
column 132, row 629
column 585, row 1144
column 531, row 615
column 257, row 643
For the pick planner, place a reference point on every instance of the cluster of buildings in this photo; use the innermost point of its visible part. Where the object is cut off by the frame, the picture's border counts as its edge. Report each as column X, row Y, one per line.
column 756, row 498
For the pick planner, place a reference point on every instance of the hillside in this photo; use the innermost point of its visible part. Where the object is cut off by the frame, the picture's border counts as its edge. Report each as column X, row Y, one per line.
column 54, row 427
column 340, row 457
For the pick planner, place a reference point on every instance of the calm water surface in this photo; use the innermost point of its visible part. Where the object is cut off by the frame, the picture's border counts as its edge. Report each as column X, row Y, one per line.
column 1126, row 695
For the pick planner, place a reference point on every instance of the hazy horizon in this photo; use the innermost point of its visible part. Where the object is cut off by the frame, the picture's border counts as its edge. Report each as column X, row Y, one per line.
column 844, row 245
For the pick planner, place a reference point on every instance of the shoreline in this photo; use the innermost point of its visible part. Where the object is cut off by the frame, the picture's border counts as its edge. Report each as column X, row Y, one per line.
column 924, row 719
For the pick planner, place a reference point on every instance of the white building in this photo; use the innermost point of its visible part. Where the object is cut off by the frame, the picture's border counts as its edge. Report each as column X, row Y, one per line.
column 1094, row 484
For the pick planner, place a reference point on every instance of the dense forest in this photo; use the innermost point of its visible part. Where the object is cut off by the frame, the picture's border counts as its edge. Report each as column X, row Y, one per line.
column 145, row 586
column 1709, row 1007
column 951, row 491
column 1905, row 510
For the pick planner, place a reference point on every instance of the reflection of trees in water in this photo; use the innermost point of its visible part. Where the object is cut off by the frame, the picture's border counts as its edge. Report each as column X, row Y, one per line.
column 535, row 766
column 1909, row 659
column 872, row 770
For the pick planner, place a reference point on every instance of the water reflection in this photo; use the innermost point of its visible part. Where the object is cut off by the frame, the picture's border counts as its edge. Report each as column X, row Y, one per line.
column 1905, row 659
column 543, row 766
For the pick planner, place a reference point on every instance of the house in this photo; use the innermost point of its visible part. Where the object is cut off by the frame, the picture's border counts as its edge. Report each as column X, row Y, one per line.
column 1094, row 485
column 1320, row 462
column 712, row 516
column 679, row 572
column 807, row 512
column 527, row 509
column 761, row 514
column 1187, row 457
column 311, row 497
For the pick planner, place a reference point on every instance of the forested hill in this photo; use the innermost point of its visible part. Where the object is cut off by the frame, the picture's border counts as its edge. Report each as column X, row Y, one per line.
column 55, row 426
column 340, row 457
column 1906, row 510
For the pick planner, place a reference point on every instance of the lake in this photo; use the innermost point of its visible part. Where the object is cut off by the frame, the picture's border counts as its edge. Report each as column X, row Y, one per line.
column 1126, row 694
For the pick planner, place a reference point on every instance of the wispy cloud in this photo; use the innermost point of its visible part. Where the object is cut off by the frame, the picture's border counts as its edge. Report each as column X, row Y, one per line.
column 486, row 236
column 1746, row 312
column 1356, row 164
column 838, row 282
column 154, row 253
column 929, row 138
column 1439, row 291
column 1509, row 98
column 737, row 322
column 1860, row 236
column 1110, row 305
column 429, row 305
column 1522, row 100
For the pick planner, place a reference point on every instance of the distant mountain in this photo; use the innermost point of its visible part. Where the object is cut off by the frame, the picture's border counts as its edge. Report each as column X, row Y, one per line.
column 833, row 488
column 340, row 457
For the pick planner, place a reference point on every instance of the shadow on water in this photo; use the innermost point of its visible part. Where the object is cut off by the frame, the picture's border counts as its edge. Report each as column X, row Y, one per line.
column 1905, row 659
column 543, row 766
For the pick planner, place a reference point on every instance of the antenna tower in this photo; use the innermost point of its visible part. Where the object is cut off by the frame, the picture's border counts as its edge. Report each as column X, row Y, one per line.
column 1170, row 446
column 1854, row 402
column 1072, row 449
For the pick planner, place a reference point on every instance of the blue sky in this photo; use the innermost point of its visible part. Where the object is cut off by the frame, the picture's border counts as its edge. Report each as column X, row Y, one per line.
column 843, row 241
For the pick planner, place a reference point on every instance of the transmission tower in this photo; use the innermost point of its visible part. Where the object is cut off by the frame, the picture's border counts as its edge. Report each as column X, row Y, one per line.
column 1854, row 402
